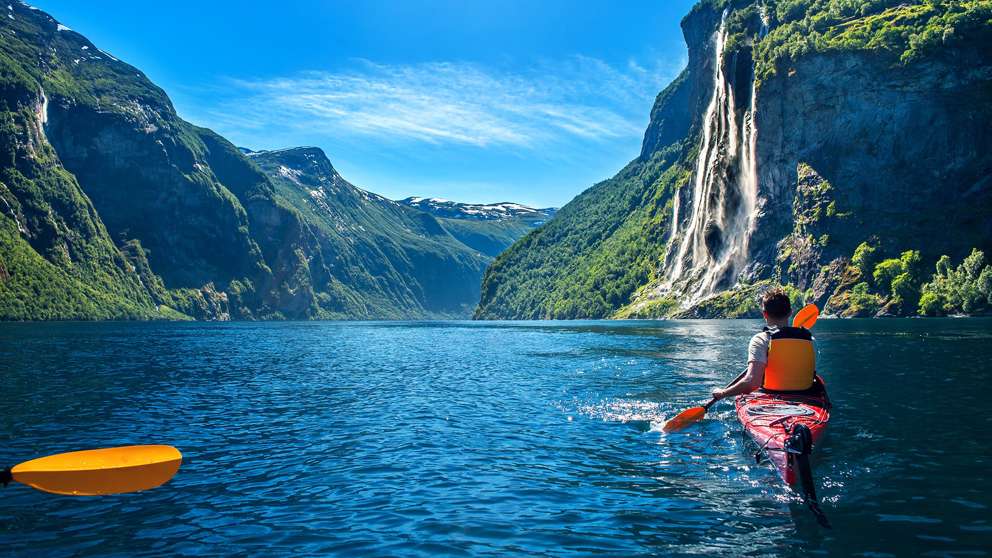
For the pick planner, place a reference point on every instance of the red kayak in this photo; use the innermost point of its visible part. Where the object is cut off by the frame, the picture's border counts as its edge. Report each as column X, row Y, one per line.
column 786, row 427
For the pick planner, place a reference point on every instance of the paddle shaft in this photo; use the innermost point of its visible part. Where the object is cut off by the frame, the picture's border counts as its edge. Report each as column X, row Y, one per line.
column 732, row 382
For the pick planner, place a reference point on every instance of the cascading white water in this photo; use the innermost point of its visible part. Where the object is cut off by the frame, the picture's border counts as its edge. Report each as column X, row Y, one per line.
column 709, row 251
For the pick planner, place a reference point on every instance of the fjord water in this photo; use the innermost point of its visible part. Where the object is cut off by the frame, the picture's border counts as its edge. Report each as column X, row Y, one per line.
column 461, row 438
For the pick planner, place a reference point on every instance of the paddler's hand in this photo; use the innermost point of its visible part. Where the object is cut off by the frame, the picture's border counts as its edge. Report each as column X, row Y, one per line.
column 718, row 394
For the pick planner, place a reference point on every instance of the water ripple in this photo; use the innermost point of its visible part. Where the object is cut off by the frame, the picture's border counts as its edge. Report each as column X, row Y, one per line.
column 488, row 439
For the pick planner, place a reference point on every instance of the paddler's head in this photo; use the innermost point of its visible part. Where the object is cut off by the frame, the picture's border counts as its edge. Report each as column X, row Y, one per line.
column 775, row 307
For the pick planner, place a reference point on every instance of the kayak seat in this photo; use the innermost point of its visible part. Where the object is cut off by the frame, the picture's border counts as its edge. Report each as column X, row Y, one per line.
column 816, row 391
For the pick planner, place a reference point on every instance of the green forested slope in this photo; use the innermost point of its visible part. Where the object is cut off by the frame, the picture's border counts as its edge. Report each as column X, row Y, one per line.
column 487, row 237
column 382, row 259
column 57, row 260
column 603, row 245
column 599, row 248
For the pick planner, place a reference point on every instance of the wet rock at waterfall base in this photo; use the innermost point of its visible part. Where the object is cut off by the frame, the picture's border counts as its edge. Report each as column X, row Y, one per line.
column 713, row 237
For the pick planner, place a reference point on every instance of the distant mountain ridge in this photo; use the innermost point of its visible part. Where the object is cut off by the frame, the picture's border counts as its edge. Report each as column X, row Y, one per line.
column 478, row 211
column 488, row 228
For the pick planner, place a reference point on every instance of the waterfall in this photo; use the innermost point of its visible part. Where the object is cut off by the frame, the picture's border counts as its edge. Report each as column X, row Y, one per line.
column 709, row 250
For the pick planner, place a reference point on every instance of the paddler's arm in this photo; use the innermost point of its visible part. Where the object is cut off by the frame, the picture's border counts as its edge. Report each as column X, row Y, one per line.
column 757, row 358
column 751, row 381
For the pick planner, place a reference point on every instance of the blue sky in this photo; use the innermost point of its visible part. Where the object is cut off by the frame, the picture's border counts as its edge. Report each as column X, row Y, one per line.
column 530, row 102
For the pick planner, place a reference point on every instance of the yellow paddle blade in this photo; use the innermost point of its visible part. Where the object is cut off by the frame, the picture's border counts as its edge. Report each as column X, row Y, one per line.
column 806, row 317
column 101, row 471
column 685, row 418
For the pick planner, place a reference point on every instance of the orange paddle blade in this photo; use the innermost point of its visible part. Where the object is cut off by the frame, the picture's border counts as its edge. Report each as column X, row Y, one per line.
column 685, row 418
column 806, row 317
column 101, row 471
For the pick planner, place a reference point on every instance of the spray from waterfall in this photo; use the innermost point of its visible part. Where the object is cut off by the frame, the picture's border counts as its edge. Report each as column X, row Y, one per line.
column 708, row 248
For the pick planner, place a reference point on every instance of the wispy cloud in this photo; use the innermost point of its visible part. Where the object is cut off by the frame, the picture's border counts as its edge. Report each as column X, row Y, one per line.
column 451, row 103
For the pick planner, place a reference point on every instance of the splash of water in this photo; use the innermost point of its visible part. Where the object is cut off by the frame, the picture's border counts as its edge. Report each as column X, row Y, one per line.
column 624, row 410
column 709, row 250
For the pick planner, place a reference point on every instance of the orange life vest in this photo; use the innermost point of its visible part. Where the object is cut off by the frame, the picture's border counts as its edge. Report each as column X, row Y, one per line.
column 791, row 360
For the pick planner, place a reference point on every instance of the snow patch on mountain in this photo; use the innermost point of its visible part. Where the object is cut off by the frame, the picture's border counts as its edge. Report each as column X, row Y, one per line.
column 291, row 174
column 482, row 212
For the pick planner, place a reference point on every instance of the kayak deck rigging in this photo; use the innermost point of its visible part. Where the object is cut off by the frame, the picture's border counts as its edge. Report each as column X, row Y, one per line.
column 786, row 427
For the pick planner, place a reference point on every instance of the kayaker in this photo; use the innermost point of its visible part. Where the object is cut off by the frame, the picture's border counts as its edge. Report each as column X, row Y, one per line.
column 780, row 358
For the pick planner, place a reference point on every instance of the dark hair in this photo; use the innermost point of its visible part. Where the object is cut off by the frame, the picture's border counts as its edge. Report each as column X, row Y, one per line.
column 776, row 303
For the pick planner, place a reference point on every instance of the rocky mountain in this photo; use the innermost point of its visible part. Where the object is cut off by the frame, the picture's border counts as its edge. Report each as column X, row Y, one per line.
column 114, row 207
column 488, row 228
column 380, row 258
column 837, row 148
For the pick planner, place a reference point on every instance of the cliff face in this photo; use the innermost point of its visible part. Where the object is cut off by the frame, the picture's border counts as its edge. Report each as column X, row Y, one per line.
column 906, row 150
column 150, row 180
column 58, row 258
column 148, row 184
column 797, row 132
column 824, row 151
column 114, row 207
